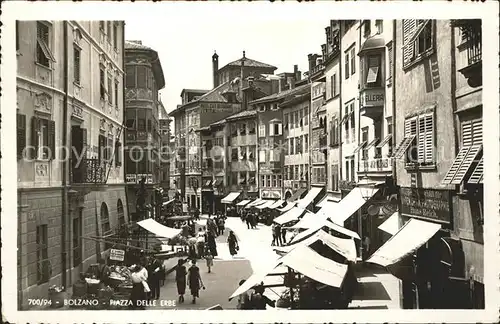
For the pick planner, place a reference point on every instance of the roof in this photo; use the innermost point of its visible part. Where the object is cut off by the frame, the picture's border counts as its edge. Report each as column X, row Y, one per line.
column 243, row 114
column 154, row 59
column 248, row 62
column 198, row 91
column 372, row 43
column 296, row 99
column 280, row 95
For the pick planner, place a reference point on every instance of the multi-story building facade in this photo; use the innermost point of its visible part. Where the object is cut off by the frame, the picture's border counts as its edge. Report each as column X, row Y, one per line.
column 439, row 160
column 165, row 149
column 69, row 92
column 201, row 121
column 144, row 78
column 296, row 135
column 333, row 76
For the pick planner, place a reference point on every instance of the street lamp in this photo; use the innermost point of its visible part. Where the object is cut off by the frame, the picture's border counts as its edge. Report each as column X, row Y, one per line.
column 366, row 187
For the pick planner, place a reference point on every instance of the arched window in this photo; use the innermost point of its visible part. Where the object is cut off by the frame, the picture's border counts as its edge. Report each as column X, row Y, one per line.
column 105, row 225
column 120, row 212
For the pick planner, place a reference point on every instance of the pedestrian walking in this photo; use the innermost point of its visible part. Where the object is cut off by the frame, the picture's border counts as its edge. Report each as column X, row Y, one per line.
column 277, row 232
column 366, row 243
column 154, row 278
column 200, row 244
column 162, row 274
column 248, row 220
column 273, row 231
column 221, row 225
column 233, row 243
column 212, row 245
column 283, row 236
column 209, row 258
column 180, row 279
column 195, row 282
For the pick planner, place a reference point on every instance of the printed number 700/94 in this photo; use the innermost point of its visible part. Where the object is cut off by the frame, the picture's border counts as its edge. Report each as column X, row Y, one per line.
column 39, row 302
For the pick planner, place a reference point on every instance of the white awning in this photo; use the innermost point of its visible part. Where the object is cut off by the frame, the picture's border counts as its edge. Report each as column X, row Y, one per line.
column 230, row 198
column 166, row 203
column 256, row 202
column 316, row 267
column 328, row 224
column 309, row 220
column 344, row 247
column 277, row 204
column 291, row 215
column 158, row 229
column 289, row 206
column 243, row 203
column 328, row 199
column 348, row 206
column 309, row 198
column 409, row 238
column 266, row 204
column 391, row 224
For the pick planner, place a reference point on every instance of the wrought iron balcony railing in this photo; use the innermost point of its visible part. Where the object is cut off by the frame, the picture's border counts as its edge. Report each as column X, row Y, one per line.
column 89, row 171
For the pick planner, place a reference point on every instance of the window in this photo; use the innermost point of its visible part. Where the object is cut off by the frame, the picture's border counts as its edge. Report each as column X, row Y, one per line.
column 301, row 120
column 108, row 31
column 141, row 120
column 367, row 27
column 110, row 90
column 347, row 170
column 149, row 127
column 42, row 254
column 109, row 148
column 297, row 173
column 243, row 129
column 373, row 75
column 346, row 66
column 21, row 135
column 353, row 61
column 43, row 53
column 292, row 146
column 306, row 116
column 418, row 40
column 469, row 157
column 335, row 177
column 297, row 119
column 268, row 180
column 130, row 121
column 76, row 64
column 142, row 76
column 352, row 169
column 379, row 24
column 251, row 127
column 102, row 26
column 262, row 130
column 277, row 129
column 419, row 131
column 102, row 77
column 77, row 239
column 115, row 36
column 116, row 94
column 243, row 178
column 43, row 138
column 334, row 85
column 234, row 154
column 389, row 59
column 102, row 152
column 118, row 153
column 130, row 77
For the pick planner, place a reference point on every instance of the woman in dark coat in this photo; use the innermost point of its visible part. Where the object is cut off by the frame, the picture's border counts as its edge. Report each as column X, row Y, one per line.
column 194, row 280
column 233, row 243
column 180, row 279
column 212, row 245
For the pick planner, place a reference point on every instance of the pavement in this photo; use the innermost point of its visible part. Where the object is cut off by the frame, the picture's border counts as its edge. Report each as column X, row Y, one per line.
column 377, row 288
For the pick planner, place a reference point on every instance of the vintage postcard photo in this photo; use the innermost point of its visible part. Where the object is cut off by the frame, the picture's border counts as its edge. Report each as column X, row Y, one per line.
column 294, row 162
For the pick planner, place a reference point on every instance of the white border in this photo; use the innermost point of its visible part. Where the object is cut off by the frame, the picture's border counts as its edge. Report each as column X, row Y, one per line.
column 302, row 12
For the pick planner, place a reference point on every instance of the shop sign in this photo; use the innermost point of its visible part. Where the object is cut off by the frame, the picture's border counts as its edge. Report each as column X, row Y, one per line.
column 131, row 178
column 273, row 194
column 149, row 178
column 372, row 97
column 117, row 255
column 378, row 164
column 431, row 204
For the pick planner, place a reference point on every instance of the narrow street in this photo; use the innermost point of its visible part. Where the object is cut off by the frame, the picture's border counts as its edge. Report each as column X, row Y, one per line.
column 377, row 290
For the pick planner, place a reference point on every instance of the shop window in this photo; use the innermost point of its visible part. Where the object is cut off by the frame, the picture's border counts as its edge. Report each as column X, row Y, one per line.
column 418, row 40
column 44, row 268
column 243, row 178
column 76, row 64
column 43, row 49
column 268, row 180
column 469, row 157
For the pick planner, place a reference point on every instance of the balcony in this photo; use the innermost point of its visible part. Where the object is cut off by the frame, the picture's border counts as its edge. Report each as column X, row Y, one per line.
column 471, row 31
column 317, row 71
column 89, row 171
column 372, row 102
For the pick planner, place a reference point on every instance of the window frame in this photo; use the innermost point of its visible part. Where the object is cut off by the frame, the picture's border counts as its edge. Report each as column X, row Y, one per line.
column 77, row 64
column 44, row 47
column 44, row 268
column 417, row 56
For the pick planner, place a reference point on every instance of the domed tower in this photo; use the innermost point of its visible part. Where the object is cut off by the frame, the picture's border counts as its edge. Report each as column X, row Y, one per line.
column 215, row 67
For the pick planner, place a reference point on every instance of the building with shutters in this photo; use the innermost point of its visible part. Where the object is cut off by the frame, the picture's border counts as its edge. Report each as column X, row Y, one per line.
column 165, row 149
column 438, row 159
column 144, row 78
column 64, row 198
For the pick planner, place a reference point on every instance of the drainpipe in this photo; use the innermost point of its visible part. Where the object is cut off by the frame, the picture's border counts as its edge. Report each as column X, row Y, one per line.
column 66, row 161
column 123, row 118
column 340, row 126
column 394, row 44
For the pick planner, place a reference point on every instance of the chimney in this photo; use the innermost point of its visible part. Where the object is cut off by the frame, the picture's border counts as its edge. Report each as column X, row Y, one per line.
column 215, row 68
column 281, row 84
column 296, row 73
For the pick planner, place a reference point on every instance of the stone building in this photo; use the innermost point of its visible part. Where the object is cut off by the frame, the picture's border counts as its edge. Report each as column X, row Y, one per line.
column 64, row 198
column 144, row 78
column 438, row 159
column 165, row 149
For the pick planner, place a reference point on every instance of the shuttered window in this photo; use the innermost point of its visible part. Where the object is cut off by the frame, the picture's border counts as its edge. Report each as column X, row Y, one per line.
column 110, row 90
column 418, row 39
column 426, row 139
column 353, row 61
column 346, row 66
column 410, row 134
column 409, row 28
column 76, row 64
column 373, row 70
column 21, row 135
column 262, row 130
column 389, row 56
column 271, row 130
column 469, row 157
column 43, row 137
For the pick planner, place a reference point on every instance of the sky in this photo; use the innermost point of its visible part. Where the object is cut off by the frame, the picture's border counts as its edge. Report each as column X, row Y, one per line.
column 185, row 47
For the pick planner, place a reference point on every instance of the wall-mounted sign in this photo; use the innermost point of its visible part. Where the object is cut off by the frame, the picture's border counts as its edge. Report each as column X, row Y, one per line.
column 270, row 194
column 117, row 255
column 378, row 164
column 372, row 97
column 432, row 204
column 216, row 107
column 149, row 178
column 131, row 178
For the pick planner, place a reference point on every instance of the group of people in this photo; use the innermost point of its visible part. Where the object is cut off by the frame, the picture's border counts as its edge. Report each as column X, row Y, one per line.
column 279, row 235
column 249, row 217
column 147, row 276
column 255, row 299
column 193, row 277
